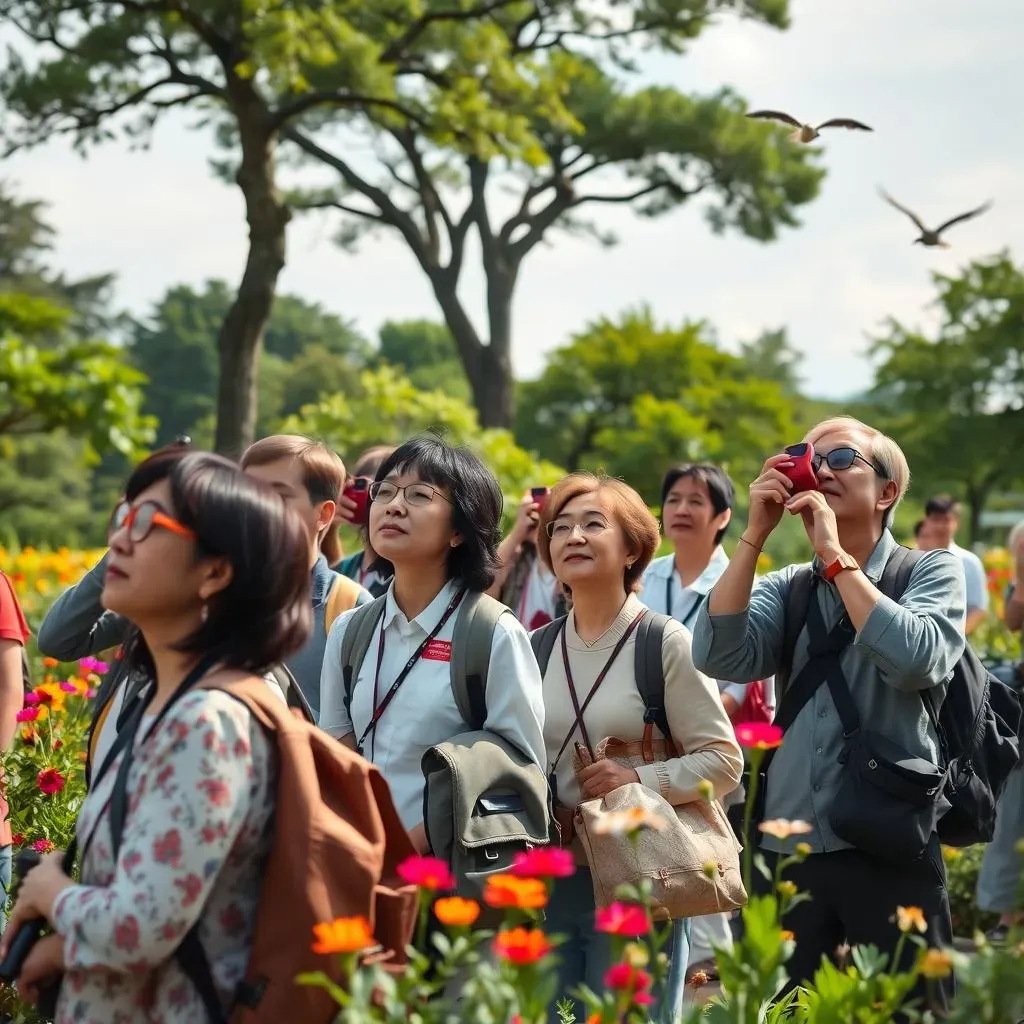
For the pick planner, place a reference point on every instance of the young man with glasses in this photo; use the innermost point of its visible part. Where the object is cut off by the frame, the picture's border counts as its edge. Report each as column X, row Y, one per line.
column 877, row 655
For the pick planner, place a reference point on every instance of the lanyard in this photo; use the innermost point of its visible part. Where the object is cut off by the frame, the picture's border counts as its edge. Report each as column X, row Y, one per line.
column 379, row 709
column 597, row 683
column 684, row 619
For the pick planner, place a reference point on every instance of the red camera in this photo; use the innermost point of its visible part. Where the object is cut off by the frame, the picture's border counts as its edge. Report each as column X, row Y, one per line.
column 802, row 471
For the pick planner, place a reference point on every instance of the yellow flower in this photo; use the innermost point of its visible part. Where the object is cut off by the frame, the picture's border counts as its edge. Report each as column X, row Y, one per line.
column 787, row 936
column 636, row 954
column 803, row 850
column 909, row 918
column 617, row 823
column 706, row 790
column 787, row 888
column 780, row 828
column 936, row 964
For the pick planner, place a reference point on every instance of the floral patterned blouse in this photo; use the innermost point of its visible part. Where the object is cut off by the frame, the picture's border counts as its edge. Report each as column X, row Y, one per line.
column 201, row 800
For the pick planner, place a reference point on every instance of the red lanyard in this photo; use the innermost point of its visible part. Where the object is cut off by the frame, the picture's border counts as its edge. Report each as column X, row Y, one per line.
column 379, row 709
column 597, row 683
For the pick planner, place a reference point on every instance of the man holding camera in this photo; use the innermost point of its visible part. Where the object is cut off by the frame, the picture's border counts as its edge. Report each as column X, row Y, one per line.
column 874, row 665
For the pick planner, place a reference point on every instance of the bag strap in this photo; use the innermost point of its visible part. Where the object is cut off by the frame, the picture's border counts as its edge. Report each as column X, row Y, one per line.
column 356, row 642
column 896, row 574
column 798, row 601
column 472, row 639
column 341, row 598
column 649, row 671
column 293, row 695
column 543, row 642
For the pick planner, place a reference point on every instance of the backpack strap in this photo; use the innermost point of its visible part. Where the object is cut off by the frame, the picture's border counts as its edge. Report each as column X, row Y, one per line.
column 543, row 642
column 798, row 603
column 341, row 598
column 649, row 670
column 472, row 639
column 896, row 574
column 293, row 695
column 356, row 642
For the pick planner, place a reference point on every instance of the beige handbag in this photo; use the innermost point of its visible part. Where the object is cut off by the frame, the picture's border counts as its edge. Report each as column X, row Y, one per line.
column 692, row 862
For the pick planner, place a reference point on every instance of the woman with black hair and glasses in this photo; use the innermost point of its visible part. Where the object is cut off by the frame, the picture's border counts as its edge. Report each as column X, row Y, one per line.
column 210, row 566
column 434, row 518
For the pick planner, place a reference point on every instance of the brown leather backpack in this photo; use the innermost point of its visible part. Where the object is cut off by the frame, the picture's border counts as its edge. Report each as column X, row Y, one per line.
column 337, row 844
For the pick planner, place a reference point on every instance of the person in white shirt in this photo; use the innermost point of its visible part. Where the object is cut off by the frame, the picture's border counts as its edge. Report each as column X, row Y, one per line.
column 434, row 518
column 942, row 520
column 696, row 509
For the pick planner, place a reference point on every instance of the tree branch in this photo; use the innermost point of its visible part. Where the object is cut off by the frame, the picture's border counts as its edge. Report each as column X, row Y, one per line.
column 334, row 99
column 391, row 214
column 335, row 204
column 397, row 49
column 640, row 193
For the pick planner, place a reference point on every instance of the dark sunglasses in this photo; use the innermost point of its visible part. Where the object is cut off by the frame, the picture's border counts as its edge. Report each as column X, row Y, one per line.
column 843, row 458
column 141, row 520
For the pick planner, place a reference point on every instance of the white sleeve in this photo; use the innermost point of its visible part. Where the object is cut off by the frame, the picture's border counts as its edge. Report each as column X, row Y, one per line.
column 334, row 717
column 515, row 696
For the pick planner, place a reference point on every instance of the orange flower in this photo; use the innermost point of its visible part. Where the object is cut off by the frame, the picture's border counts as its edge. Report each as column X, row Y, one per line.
column 50, row 662
column 456, row 912
column 936, row 964
column 343, row 935
column 635, row 819
column 781, row 828
column 522, row 946
column 520, row 893
column 909, row 918
column 787, row 935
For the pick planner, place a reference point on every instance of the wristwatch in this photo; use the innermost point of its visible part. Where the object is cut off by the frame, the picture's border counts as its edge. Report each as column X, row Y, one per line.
column 843, row 561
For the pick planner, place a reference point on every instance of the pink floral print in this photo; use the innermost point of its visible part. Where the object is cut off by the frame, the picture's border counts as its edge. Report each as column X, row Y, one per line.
column 196, row 840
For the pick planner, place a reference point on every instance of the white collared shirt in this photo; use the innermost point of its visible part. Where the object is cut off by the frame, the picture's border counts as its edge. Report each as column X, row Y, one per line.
column 662, row 577
column 423, row 712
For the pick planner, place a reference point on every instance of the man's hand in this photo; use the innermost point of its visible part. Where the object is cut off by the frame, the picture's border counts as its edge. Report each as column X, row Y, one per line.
column 525, row 526
column 768, row 496
column 819, row 522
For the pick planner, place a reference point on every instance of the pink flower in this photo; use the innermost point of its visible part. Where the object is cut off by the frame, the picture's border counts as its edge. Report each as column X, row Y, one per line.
column 427, row 872
column 32, row 698
column 544, row 862
column 43, row 846
column 69, row 687
column 89, row 694
column 27, row 715
column 622, row 919
column 50, row 781
column 93, row 665
column 758, row 735
column 630, row 980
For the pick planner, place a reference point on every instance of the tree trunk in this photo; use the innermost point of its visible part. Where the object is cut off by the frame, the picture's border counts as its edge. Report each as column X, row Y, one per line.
column 241, row 335
column 977, row 496
column 488, row 367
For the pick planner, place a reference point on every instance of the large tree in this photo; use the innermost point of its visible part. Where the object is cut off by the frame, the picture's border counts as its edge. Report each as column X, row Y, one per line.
column 631, row 397
column 956, row 395
column 651, row 149
column 308, row 352
column 252, row 71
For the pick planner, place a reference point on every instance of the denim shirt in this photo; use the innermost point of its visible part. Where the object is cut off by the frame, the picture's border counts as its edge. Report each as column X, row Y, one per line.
column 901, row 650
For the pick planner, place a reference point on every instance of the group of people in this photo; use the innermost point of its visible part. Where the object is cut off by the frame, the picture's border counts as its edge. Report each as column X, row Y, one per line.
column 218, row 570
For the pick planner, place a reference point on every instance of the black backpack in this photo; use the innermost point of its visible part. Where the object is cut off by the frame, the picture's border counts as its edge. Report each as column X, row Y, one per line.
column 647, row 664
column 978, row 723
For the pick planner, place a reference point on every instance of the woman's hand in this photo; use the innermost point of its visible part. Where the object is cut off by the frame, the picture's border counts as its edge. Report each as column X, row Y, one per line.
column 601, row 777
column 44, row 963
column 819, row 522
column 768, row 496
column 37, row 893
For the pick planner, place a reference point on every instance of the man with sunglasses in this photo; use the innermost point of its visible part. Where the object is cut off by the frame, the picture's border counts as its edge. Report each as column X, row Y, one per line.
column 876, row 653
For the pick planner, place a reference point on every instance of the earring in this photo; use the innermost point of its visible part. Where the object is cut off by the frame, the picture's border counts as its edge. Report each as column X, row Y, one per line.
column 204, row 613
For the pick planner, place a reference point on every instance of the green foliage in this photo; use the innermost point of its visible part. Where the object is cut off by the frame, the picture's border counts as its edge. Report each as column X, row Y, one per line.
column 308, row 353
column 426, row 353
column 49, row 381
column 386, row 408
column 632, row 398
column 956, row 400
column 962, row 868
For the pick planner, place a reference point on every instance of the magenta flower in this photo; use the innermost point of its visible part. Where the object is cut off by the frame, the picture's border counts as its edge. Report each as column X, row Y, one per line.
column 69, row 687
column 27, row 715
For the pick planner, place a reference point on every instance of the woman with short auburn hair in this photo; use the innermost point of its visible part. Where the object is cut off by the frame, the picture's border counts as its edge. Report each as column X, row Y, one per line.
column 598, row 536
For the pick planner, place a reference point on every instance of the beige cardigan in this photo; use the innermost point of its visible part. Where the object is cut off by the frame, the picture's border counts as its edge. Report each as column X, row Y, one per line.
column 700, row 727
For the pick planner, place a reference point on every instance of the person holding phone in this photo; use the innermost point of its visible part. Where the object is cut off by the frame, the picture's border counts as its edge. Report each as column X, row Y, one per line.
column 354, row 510
column 523, row 581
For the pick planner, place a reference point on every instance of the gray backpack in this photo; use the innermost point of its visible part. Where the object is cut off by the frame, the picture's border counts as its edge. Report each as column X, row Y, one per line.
column 471, row 651
column 484, row 801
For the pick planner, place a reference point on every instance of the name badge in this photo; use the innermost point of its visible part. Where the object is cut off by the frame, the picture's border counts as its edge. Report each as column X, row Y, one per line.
column 438, row 650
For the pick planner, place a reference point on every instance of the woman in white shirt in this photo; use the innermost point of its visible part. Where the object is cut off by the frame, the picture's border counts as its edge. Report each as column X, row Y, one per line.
column 434, row 524
column 598, row 536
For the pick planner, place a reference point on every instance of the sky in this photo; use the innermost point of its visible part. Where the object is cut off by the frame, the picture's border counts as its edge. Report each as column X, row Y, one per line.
column 939, row 82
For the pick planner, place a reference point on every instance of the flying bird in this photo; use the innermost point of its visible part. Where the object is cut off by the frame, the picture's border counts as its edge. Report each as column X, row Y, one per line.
column 928, row 236
column 808, row 132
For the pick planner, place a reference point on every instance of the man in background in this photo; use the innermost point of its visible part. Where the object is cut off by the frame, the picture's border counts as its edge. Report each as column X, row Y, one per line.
column 941, row 521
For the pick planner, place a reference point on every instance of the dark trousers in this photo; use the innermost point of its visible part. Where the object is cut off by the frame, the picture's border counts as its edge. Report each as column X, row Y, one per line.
column 853, row 901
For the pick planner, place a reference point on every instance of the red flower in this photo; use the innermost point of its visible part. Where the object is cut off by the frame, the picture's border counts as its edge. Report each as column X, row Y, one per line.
column 758, row 735
column 18, row 838
column 50, row 781
column 43, row 846
column 544, row 862
column 631, row 980
column 427, row 872
column 27, row 714
column 622, row 919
